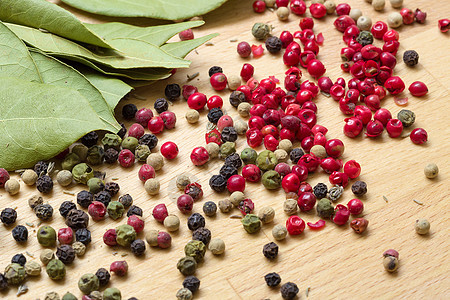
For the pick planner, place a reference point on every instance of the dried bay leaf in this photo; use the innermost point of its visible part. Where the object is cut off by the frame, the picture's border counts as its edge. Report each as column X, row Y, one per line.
column 38, row 121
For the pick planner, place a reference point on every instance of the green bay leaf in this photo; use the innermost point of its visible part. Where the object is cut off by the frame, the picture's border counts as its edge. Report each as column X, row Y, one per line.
column 181, row 49
column 156, row 9
column 45, row 15
column 39, row 121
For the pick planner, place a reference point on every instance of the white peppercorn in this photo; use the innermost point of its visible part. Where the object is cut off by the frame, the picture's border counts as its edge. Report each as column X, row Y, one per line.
column 286, row 145
column 152, row 186
column 290, row 206
column 64, row 177
column 364, row 23
column 378, row 5
column 241, row 127
column 152, row 238
column 266, row 214
column 225, row 205
column 236, row 198
column 234, row 82
column 12, row 186
column 281, row 155
column 422, row 226
column 396, row 3
column 32, row 268
column 355, row 13
column 216, row 246
column 79, row 248
column 182, row 181
column 270, row 3
column 283, row 13
column 431, row 170
column 46, row 256
column 212, row 149
column 317, row 1
column 29, row 177
column 330, row 6
column 192, row 116
column 279, row 232
column 172, row 223
column 319, row 151
column 156, row 161
column 395, row 20
column 244, row 109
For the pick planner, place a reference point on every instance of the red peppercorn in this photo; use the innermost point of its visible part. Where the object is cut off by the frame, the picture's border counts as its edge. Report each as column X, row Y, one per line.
column 120, row 268
column 272, row 117
column 188, row 90
column 394, row 128
column 341, row 214
column 346, row 106
column 394, row 85
column 214, row 101
column 295, row 225
column 391, row 46
column 301, row 171
column 383, row 115
column 185, row 203
column 225, row 121
column 315, row 226
column 373, row 102
column 307, row 143
column 169, row 150
column 312, row 46
column 169, row 119
column 283, row 169
column 270, row 142
column 298, row 7
column 164, row 240
column 236, row 183
column 339, row 178
column 146, row 172
column 379, row 29
column 307, row 117
column 290, row 183
column 270, row 130
column 218, row 81
column 4, row 177
column 305, row 187
column 330, row 165
column 97, row 210
column 199, row 156
column 186, row 35
column 306, row 23
column 65, row 235
column 363, row 113
column 243, row 49
column 136, row 130
column 353, row 83
column 319, row 128
column 334, row 147
column 306, row 57
column 316, row 68
column 324, row 84
column 143, row 115
column 359, row 225
column 156, row 125
column 352, row 169
column 337, row 92
column 213, row 136
column 282, row 3
column 343, row 9
column 126, row 158
column 343, row 22
column 418, row 136
column 136, row 222
column 317, row 10
column 255, row 137
column 444, row 25
column 418, row 89
column 259, row 6
column 420, row 16
column 197, row 101
column 391, row 35
column 320, row 139
column 374, row 128
column 407, row 15
column 353, row 127
column 109, row 237
column 350, row 33
column 291, row 58
column 310, row 161
column 355, row 206
column 251, row 173
column 160, row 212
column 306, row 201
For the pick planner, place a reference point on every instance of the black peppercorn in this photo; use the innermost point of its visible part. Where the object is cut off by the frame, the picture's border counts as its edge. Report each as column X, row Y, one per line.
column 111, row 156
column 194, row 190
column 19, row 259
column 270, row 250
column 236, row 98
column 83, row 235
column 320, row 190
column 172, row 91
column 77, row 219
column 44, row 184
column 44, row 212
column 41, row 167
column 218, row 183
column 3, row 282
column 227, row 171
column 112, row 188
column 229, row 134
column 195, row 221
column 84, row 199
column 129, row 111
column 90, row 139
column 273, row 44
column 103, row 197
column 295, row 154
column 272, row 279
column 122, row 131
column 8, row 216
column 202, row 234
column 209, row 208
column 103, row 276
column 66, row 254
column 411, row 58
column 20, row 233
column 234, row 160
column 365, row 38
column 149, row 139
column 138, row 247
column 359, row 188
column 289, row 290
column 134, row 210
column 191, row 283
column 161, row 105
column 126, row 200
column 65, row 207
column 214, row 69
column 214, row 115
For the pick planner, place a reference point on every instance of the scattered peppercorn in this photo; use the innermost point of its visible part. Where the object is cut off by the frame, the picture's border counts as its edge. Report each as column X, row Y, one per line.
column 324, row 208
column 95, row 155
column 44, row 184
column 422, row 226
column 112, row 294
column 359, row 225
column 103, row 276
column 126, row 200
column 90, row 139
column 129, row 111
column 32, row 268
column 46, row 236
column 138, row 247
column 227, row 149
column 290, row 206
column 184, row 294
column 172, row 223
column 210, row 208
column 83, row 235
column 194, row 190
column 202, row 234
column 19, row 259
column 320, row 190
column 236, row 98
column 390, row 263
column 273, row 44
column 134, row 210
column 64, row 178
column 191, row 283
column 248, row 156
column 411, row 58
column 88, row 283
column 279, row 232
column 218, row 183
column 120, row 268
column 365, row 37
column 111, row 156
column 152, row 186
column 214, row 115
column 66, row 254
column 3, row 282
column 266, row 214
column 270, row 250
column 431, row 170
column 289, row 290
column 195, row 221
column 44, row 212
column 150, row 140
column 46, row 256
column 103, row 197
column 65, row 207
column 271, row 180
column 34, row 201
column 407, row 117
column 79, row 248
column 251, row 223
column 69, row 296
column 233, row 160
column 187, row 265
column 335, row 193
column 225, row 206
column 115, row 210
column 41, row 168
column 359, row 188
column 161, row 105
column 195, row 249
column 214, row 69
column 12, row 186
column 15, row 274
column 261, row 31
column 77, row 219
column 56, row 270
column 272, row 279
column 295, row 154
column 20, row 233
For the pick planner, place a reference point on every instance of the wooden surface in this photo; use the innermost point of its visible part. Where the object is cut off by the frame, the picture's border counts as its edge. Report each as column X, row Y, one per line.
column 335, row 262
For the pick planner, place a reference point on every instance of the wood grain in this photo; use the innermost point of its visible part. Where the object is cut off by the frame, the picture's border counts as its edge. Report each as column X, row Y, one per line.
column 335, row 262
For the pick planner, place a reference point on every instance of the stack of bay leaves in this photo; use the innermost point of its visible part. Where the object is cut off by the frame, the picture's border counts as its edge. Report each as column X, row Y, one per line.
column 61, row 78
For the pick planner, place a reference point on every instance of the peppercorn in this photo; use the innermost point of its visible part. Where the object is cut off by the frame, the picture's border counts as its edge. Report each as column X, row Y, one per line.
column 209, row 208
column 182, row 181
column 66, row 254
column 95, row 155
column 125, row 235
column 52, row 296
column 273, row 44
column 12, row 186
column 184, row 294
column 88, row 283
column 236, row 198
column 120, row 268
column 214, row 69
column 320, row 190
column 44, row 212
column 359, row 188
column 241, row 127
column 233, row 160
column 8, row 216
column 266, row 160
column 202, row 234
column 142, row 152
column 115, row 209
column 152, row 186
column 129, row 111
column 261, row 31
column 422, row 226
column 19, row 259
column 103, row 276
column 79, row 248
column 46, row 256
column 214, row 115
column 20, row 233
column 65, row 207
column 103, row 197
column 15, row 274
column 227, row 149
column 77, row 219
column 161, row 105
column 279, row 232
column 40, row 168
column 3, row 282
column 172, row 91
column 187, row 265
column 251, row 223
column 271, row 180
column 431, row 170
column 192, row 116
column 90, row 139
column 191, row 283
column 29, row 177
column 80, row 151
column 218, row 183
column 56, row 270
column 195, row 249
column 335, row 193
column 46, row 236
column 289, row 290
column 407, row 117
column 126, row 200
column 195, row 221
column 84, row 199
column 111, row 140
column 236, row 98
column 150, row 140
column 281, row 155
column 32, row 268
column 266, row 214
column 69, row 296
column 390, row 263
column 152, row 238
column 229, row 169
column 225, row 206
column 111, row 156
column 131, row 143
column 83, row 235
column 112, row 294
column 296, row 154
column 248, row 156
column 134, row 210
column 229, row 134
column 411, row 58
column 82, row 173
column 324, row 208
column 290, row 206
column 272, row 279
column 270, row 250
column 44, row 184
column 194, row 190
column 64, row 177
column 172, row 223
column 95, row 295
column 138, row 247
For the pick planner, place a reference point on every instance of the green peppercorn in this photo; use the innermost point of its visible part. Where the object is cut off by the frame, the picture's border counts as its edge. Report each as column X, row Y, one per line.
column 88, row 283
column 251, row 223
column 56, row 270
column 248, row 156
column 46, row 236
column 261, row 31
column 69, row 296
column 111, row 140
column 95, row 185
column 130, row 143
column 187, row 265
column 226, row 149
column 52, row 296
column 15, row 274
column 365, row 37
column 125, row 235
column 266, row 160
column 80, row 150
column 324, row 208
column 82, row 173
column 112, row 294
column 70, row 161
column 142, row 152
column 407, row 117
column 115, row 209
column 95, row 155
column 184, row 294
column 271, row 180
column 195, row 249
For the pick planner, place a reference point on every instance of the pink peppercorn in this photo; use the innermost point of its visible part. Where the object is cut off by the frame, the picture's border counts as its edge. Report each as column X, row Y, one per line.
column 352, row 169
column 320, row 139
column 283, row 169
column 136, row 130
column 420, row 16
column 306, row 201
column 343, row 22
column 270, row 142
column 218, row 81
column 156, row 125
column 185, row 203
column 259, row 6
column 316, row 68
column 282, row 3
column 310, row 161
column 199, row 156
column 306, row 23
column 341, row 214
column 290, row 183
column 214, row 101
column 374, row 128
column 65, row 235
column 305, row 187
column 379, row 29
column 295, row 225
column 186, row 35
column 244, row 50
column 160, row 212
column 136, row 222
column 146, row 172
column 383, row 115
column 418, row 136
column 373, row 102
column 109, row 237
column 120, row 268
column 317, row 10
column 143, row 115
column 301, row 171
column 226, row 121
column 334, row 148
column 307, row 143
column 394, row 128
column 236, row 183
column 251, row 173
column 164, row 240
column 418, row 89
column 407, row 15
column 444, row 25
column 391, row 35
column 197, row 101
column 363, row 113
column 339, row 178
column 97, row 210
column 126, row 158
column 255, row 137
column 394, row 85
column 298, row 7
column 4, row 177
column 188, row 90
column 391, row 252
column 286, row 38
column 330, row 165
column 169, row 119
column 343, row 9
column 353, row 127
column 169, row 150
column 355, row 206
